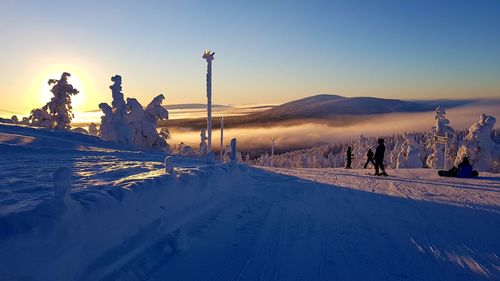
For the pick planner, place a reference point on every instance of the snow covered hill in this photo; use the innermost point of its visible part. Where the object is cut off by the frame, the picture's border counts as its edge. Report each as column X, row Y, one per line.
column 327, row 106
column 127, row 219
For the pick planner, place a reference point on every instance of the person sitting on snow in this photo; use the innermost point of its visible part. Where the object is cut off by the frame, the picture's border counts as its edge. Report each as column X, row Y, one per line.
column 464, row 170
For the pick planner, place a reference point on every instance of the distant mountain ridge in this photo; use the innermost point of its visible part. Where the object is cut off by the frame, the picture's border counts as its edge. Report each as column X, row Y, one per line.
column 325, row 106
column 333, row 109
column 193, row 106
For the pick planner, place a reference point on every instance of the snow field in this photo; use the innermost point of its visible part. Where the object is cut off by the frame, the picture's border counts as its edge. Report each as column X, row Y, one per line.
column 95, row 233
column 129, row 219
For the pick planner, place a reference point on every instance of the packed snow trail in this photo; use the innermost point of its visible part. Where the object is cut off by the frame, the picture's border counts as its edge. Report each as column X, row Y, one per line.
column 287, row 228
column 417, row 184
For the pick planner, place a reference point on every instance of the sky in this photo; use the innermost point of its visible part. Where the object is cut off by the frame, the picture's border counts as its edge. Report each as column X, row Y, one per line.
column 266, row 52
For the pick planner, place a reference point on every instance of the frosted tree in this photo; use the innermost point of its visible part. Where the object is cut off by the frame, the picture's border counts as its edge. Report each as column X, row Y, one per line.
column 136, row 117
column 156, row 112
column 226, row 155
column 165, row 134
column 334, row 156
column 479, row 146
column 106, row 128
column 60, row 104
column 118, row 102
column 129, row 123
column 93, row 129
column 203, row 149
column 114, row 125
column 14, row 119
column 441, row 128
column 394, row 154
column 40, row 117
column 144, row 122
column 360, row 148
column 412, row 153
column 184, row 149
column 57, row 113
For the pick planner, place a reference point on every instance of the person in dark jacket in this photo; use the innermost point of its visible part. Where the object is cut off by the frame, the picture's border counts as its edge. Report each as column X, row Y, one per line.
column 349, row 158
column 369, row 159
column 464, row 170
column 379, row 158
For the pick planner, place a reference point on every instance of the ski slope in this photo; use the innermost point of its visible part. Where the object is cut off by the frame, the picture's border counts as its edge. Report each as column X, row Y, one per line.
column 303, row 226
column 129, row 220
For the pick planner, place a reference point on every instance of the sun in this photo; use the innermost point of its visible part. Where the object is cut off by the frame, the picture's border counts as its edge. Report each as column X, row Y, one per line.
column 76, row 100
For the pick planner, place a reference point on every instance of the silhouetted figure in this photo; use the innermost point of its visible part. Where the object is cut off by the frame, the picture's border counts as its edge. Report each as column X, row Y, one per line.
column 379, row 158
column 369, row 159
column 464, row 170
column 349, row 158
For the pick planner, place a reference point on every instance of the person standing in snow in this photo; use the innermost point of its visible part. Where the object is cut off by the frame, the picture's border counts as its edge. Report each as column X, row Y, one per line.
column 379, row 158
column 369, row 159
column 349, row 158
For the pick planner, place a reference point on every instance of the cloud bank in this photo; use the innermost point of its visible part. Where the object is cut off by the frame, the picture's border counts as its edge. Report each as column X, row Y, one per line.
column 304, row 134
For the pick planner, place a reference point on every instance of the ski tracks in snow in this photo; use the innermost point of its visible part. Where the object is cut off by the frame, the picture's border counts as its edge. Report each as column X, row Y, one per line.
column 312, row 225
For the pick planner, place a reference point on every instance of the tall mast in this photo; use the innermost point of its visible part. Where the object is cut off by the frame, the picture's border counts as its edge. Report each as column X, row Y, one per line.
column 209, row 57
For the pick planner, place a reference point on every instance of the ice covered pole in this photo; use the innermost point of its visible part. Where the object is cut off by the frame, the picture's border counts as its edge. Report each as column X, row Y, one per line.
column 272, row 151
column 233, row 150
column 209, row 57
column 221, row 136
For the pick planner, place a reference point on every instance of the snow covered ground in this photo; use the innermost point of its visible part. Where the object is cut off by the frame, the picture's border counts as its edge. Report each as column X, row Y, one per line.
column 129, row 220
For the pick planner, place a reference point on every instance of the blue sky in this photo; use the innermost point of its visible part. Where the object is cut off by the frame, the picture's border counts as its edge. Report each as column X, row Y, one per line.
column 266, row 51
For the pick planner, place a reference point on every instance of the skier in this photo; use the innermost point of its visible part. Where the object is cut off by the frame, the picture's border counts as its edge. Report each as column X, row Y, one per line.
column 369, row 156
column 349, row 158
column 379, row 158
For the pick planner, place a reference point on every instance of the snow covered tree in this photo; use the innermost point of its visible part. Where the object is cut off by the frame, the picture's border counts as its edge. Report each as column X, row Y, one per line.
column 184, row 149
column 118, row 102
column 442, row 128
column 60, row 104
column 496, row 135
column 57, row 113
column 203, row 148
column 136, row 117
column 129, row 123
column 156, row 112
column 40, row 117
column 394, row 154
column 106, row 127
column 93, row 129
column 479, row 146
column 114, row 125
column 412, row 154
column 360, row 148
